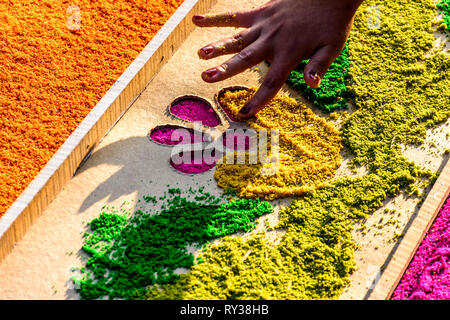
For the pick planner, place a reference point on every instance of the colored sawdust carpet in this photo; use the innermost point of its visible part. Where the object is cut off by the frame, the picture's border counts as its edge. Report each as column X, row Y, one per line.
column 399, row 91
column 128, row 252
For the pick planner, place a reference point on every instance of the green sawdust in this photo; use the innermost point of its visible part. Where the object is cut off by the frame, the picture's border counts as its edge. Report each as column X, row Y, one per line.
column 127, row 252
column 444, row 6
column 332, row 94
column 313, row 261
column 399, row 93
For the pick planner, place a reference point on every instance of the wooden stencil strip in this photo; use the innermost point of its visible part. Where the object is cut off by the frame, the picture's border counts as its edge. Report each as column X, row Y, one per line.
column 61, row 167
column 394, row 271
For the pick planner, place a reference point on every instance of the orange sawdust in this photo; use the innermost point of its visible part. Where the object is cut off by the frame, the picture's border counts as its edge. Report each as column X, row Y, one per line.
column 52, row 74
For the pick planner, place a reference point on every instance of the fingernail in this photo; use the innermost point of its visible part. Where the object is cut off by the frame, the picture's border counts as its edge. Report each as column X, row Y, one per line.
column 315, row 76
column 211, row 72
column 198, row 17
column 245, row 110
column 207, row 50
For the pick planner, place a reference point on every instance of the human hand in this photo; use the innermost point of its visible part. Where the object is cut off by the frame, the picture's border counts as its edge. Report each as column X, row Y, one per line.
column 283, row 32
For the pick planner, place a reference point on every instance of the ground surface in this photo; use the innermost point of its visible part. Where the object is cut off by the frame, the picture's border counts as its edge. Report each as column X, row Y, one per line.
column 126, row 166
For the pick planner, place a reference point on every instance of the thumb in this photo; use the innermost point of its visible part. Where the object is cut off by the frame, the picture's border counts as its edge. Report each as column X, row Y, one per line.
column 318, row 65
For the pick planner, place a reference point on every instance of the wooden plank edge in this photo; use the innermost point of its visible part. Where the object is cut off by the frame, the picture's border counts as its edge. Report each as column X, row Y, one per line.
column 432, row 205
column 61, row 167
column 404, row 254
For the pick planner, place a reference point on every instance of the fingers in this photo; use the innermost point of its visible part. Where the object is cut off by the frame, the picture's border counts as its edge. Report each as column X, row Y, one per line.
column 318, row 65
column 242, row 19
column 246, row 58
column 274, row 80
column 229, row 45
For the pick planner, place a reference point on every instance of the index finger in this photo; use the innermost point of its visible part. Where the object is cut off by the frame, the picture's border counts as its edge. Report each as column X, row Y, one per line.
column 272, row 83
column 238, row 19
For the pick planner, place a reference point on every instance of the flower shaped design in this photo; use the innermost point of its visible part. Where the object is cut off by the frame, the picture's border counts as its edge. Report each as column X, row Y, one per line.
column 302, row 154
column 206, row 135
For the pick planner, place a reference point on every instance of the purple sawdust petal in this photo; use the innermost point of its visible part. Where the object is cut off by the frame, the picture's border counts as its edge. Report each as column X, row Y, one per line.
column 193, row 165
column 172, row 135
column 428, row 274
column 195, row 110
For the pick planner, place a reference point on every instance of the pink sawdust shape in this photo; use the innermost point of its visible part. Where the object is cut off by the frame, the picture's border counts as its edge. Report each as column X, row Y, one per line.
column 428, row 275
column 193, row 166
column 165, row 135
column 195, row 110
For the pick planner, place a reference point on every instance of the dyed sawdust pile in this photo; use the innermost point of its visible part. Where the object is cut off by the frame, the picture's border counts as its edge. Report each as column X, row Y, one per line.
column 128, row 252
column 195, row 110
column 57, row 62
column 313, row 260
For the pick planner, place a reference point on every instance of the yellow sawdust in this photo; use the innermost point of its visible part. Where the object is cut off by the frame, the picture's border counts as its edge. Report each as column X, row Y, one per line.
column 309, row 150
